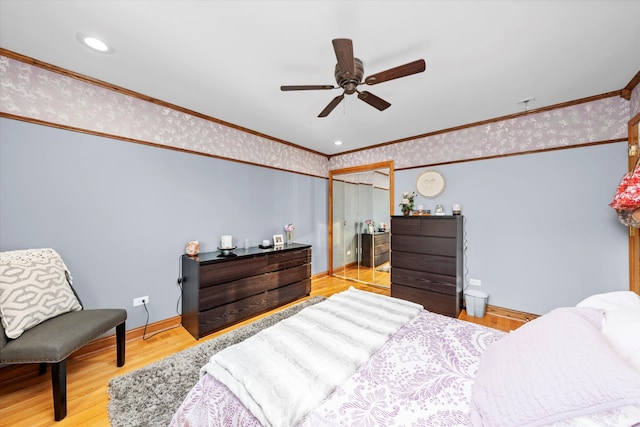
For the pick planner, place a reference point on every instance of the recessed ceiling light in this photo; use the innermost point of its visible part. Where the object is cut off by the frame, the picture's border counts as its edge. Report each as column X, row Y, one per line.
column 338, row 142
column 94, row 43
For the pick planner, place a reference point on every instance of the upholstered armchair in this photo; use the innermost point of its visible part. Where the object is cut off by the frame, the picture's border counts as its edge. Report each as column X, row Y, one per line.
column 42, row 318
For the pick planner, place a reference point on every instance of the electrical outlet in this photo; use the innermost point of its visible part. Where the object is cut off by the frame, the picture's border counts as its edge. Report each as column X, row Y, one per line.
column 475, row 282
column 140, row 301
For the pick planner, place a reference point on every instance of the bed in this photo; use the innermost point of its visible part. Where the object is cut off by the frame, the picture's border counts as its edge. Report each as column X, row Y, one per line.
column 362, row 359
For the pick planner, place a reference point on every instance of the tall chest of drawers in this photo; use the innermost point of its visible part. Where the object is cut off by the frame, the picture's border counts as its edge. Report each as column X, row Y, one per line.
column 220, row 291
column 427, row 261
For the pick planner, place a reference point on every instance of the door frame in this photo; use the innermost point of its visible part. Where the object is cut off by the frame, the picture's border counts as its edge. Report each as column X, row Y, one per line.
column 354, row 169
column 634, row 233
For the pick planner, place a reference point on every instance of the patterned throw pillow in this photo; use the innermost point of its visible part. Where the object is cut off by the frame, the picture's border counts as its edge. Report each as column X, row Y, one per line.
column 33, row 288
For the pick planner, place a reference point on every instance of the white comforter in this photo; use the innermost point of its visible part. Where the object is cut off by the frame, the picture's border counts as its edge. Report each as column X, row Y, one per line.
column 280, row 374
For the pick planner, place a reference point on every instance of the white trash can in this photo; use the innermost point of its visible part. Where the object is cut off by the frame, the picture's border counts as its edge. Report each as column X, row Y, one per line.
column 476, row 302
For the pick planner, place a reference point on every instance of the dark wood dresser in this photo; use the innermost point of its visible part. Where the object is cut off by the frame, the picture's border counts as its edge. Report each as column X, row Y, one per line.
column 427, row 261
column 220, row 291
column 375, row 249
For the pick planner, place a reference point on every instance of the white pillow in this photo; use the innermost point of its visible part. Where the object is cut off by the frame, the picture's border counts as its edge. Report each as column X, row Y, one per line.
column 33, row 288
column 618, row 300
column 621, row 325
column 554, row 368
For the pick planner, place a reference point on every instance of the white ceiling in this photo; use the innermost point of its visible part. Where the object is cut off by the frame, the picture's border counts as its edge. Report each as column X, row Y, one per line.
column 227, row 59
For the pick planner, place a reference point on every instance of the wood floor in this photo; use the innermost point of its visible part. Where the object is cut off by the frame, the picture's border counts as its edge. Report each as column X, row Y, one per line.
column 364, row 274
column 27, row 401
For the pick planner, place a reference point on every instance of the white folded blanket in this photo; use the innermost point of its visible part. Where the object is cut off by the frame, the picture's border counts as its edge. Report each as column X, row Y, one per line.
column 283, row 372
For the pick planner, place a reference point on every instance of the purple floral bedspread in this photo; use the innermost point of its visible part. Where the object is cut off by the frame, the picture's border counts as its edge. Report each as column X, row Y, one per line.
column 421, row 376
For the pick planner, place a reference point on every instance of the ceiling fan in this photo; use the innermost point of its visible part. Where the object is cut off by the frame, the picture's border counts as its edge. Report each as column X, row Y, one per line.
column 348, row 73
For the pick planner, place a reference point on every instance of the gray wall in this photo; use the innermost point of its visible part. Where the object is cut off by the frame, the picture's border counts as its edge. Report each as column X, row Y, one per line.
column 539, row 231
column 120, row 213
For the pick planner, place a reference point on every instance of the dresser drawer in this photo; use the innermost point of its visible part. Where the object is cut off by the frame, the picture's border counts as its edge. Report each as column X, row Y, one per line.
column 280, row 278
column 381, row 247
column 432, row 301
column 289, row 293
column 439, row 227
column 225, row 293
column 429, row 263
column 288, row 259
column 221, row 272
column 381, row 258
column 443, row 246
column 223, row 316
column 381, row 238
column 432, row 226
column 409, row 226
column 423, row 280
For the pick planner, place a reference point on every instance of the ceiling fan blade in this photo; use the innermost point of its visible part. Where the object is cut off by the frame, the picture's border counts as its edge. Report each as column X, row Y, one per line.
column 307, row 87
column 373, row 100
column 333, row 104
column 397, row 72
column 344, row 55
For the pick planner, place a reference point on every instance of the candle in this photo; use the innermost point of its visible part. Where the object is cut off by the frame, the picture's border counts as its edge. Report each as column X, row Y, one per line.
column 226, row 242
column 456, row 209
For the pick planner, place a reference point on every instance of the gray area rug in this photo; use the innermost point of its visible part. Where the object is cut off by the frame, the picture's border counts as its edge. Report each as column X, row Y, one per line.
column 151, row 395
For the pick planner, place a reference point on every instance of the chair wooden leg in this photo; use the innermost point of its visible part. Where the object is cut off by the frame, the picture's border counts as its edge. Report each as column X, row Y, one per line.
column 59, row 383
column 121, row 343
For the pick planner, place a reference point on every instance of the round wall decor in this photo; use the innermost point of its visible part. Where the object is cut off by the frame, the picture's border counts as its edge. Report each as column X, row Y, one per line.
column 430, row 184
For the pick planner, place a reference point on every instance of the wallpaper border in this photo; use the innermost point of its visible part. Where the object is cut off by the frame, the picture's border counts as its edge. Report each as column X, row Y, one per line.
column 47, row 95
column 36, row 92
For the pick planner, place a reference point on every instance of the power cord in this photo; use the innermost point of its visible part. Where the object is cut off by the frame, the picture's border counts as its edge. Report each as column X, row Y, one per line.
column 464, row 253
column 179, row 285
column 144, row 333
column 465, row 285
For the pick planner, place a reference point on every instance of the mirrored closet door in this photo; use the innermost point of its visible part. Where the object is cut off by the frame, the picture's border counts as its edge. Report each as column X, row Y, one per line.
column 360, row 208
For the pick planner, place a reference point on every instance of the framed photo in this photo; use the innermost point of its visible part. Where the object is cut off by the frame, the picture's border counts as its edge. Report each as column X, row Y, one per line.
column 278, row 240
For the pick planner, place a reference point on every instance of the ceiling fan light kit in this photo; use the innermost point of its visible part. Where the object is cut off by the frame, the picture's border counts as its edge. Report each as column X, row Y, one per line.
column 349, row 72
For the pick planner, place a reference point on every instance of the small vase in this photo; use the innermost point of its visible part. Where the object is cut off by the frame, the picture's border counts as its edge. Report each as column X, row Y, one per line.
column 289, row 237
column 406, row 212
column 371, row 229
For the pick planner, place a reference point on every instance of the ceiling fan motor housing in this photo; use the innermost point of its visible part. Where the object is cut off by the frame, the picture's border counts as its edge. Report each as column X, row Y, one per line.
column 348, row 82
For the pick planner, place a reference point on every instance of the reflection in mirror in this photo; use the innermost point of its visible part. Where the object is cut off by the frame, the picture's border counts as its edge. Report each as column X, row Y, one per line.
column 360, row 208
